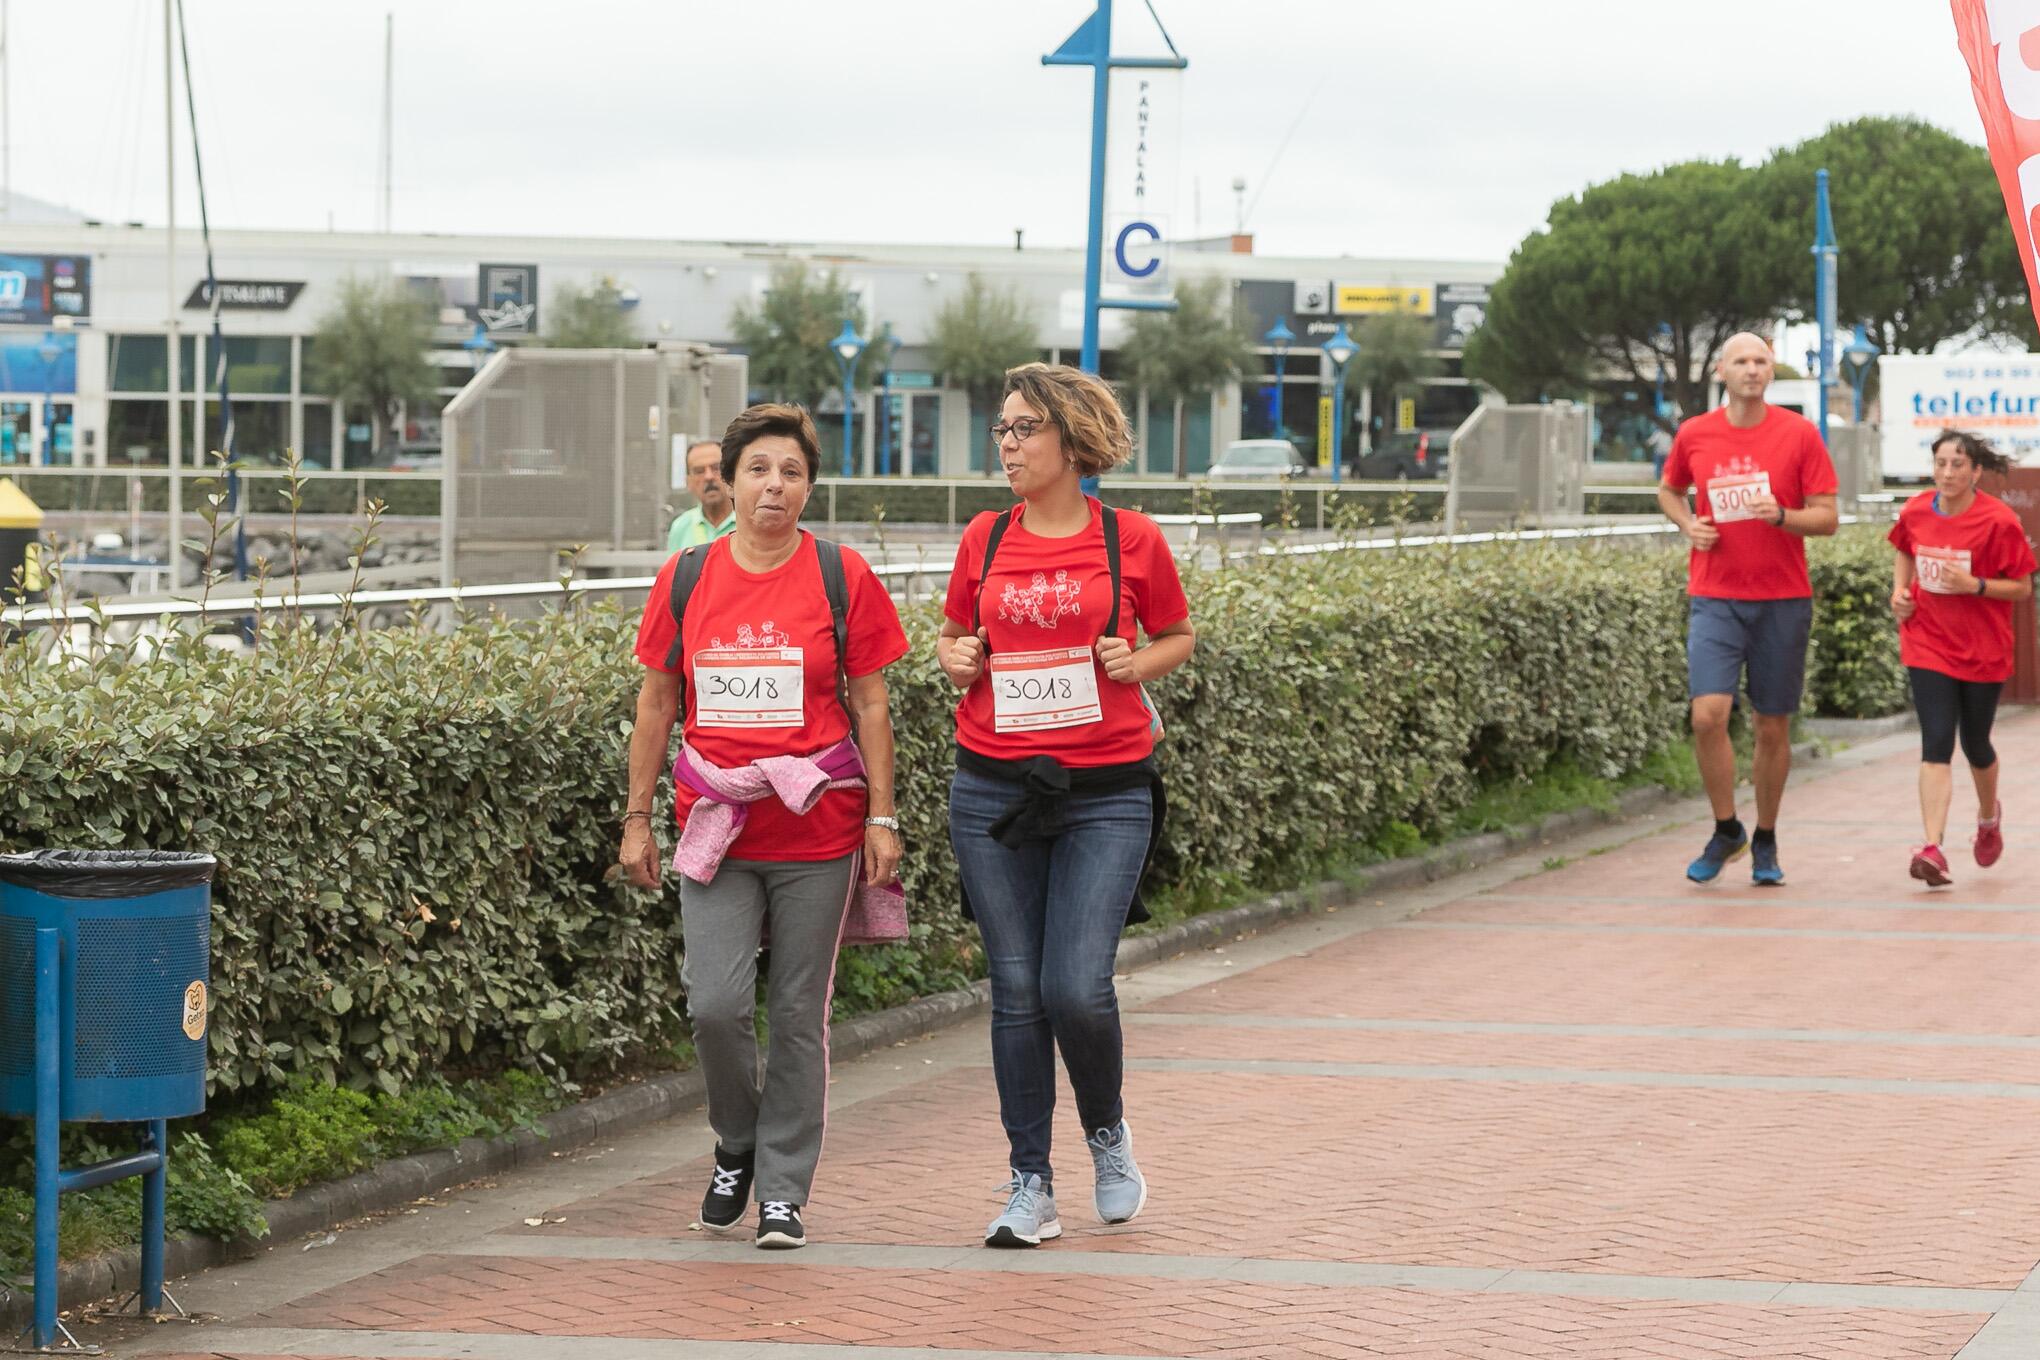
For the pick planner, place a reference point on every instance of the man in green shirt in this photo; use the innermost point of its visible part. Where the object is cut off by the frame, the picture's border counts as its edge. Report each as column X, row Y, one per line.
column 715, row 516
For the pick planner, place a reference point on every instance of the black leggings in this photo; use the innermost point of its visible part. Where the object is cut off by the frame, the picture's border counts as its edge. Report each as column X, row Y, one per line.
column 1945, row 704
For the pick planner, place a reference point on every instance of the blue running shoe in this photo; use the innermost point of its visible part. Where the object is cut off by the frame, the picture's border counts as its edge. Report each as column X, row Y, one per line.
column 1764, row 870
column 1720, row 850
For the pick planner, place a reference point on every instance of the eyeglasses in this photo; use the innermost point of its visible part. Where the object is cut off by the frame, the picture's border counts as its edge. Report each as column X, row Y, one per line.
column 1022, row 429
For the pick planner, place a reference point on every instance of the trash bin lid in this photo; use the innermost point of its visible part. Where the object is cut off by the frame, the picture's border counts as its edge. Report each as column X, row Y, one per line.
column 105, row 873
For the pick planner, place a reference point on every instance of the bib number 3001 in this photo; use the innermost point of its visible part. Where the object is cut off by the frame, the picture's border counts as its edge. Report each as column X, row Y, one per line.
column 1035, row 690
column 749, row 687
column 1730, row 497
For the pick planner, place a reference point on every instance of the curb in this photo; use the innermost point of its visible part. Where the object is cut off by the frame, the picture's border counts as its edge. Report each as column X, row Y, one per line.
column 396, row 1183
column 1855, row 731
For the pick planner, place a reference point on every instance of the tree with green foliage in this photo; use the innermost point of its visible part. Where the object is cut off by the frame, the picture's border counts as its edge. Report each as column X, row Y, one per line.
column 1181, row 355
column 1641, row 275
column 1394, row 359
column 369, row 352
column 980, row 333
column 787, row 335
column 1926, row 253
column 589, row 318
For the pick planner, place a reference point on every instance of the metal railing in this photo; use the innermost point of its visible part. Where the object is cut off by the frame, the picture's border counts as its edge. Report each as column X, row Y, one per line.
column 146, row 490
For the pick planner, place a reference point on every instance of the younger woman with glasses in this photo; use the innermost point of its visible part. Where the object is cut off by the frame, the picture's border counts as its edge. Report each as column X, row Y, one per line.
column 1056, row 802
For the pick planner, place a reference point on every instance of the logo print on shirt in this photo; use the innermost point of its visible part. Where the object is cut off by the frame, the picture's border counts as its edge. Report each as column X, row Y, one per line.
column 1043, row 602
column 1742, row 465
column 765, row 634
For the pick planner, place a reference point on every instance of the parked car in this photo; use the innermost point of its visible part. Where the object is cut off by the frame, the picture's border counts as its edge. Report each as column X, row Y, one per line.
column 1417, row 455
column 1260, row 458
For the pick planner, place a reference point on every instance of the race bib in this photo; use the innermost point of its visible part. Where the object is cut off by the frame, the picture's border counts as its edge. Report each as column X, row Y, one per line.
column 1730, row 497
column 749, row 687
column 1055, row 688
column 1932, row 565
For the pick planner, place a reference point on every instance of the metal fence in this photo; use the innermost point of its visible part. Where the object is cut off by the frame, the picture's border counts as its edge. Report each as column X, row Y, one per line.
column 1520, row 465
column 547, row 450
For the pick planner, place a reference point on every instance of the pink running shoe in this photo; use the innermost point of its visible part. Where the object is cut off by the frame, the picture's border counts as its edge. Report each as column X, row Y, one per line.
column 1930, row 866
column 1990, row 838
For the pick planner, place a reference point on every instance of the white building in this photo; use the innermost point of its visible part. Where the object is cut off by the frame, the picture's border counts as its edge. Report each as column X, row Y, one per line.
column 84, row 311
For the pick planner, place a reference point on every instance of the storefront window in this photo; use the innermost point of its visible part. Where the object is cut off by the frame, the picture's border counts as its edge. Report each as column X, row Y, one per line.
column 261, row 432
column 257, row 364
column 316, row 452
column 137, row 363
column 138, row 431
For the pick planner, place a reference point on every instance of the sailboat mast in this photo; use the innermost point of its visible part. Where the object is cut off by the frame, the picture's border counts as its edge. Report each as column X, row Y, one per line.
column 176, row 556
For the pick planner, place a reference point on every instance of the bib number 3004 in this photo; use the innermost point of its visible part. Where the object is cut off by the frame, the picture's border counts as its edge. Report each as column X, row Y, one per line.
column 749, row 687
column 1730, row 497
column 1035, row 690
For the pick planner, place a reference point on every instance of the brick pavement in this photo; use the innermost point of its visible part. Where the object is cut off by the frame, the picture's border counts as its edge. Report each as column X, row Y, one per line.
column 1579, row 1110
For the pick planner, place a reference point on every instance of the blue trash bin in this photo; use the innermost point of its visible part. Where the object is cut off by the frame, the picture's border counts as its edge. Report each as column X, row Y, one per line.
column 136, row 935
column 105, row 960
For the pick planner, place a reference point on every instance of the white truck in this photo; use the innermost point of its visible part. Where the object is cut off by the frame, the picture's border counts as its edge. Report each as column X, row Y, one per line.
column 1996, row 396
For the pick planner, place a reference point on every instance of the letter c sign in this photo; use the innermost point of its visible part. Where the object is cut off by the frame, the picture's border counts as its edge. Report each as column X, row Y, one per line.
column 1126, row 233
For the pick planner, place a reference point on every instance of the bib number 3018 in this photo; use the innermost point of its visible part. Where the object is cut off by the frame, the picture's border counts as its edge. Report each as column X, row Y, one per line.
column 1035, row 690
column 749, row 687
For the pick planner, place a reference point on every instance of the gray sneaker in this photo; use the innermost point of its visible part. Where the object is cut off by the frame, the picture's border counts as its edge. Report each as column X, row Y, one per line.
column 1029, row 1218
column 1122, row 1190
column 1006, row 1191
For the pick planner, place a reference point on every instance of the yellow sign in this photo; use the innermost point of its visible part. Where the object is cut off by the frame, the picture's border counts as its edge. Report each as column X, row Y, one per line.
column 194, row 1011
column 1406, row 414
column 1368, row 299
column 1324, row 428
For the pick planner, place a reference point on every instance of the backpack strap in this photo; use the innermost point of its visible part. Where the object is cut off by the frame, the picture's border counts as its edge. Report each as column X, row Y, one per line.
column 686, row 575
column 836, row 585
column 1110, row 519
column 999, row 527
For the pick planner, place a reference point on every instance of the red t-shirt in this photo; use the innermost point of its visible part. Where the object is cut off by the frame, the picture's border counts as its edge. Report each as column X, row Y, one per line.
column 1049, row 598
column 1782, row 454
column 1965, row 636
column 747, row 630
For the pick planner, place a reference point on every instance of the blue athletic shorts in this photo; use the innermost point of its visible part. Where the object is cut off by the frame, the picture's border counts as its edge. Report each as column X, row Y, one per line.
column 1767, row 638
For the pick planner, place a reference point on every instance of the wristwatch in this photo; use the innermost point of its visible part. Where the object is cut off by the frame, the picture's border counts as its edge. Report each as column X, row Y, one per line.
column 1982, row 586
column 891, row 824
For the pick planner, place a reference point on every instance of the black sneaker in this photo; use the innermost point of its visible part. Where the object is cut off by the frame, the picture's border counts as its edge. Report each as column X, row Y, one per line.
column 729, row 1190
column 779, row 1226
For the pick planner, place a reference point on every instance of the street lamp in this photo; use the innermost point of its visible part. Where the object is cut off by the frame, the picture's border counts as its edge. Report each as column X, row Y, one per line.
column 50, row 351
column 849, row 347
column 886, row 427
column 479, row 346
column 1340, row 349
column 1279, row 335
column 1857, row 357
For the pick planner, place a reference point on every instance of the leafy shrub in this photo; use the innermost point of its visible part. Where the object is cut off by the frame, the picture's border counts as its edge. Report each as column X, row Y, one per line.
column 417, row 831
column 311, row 1132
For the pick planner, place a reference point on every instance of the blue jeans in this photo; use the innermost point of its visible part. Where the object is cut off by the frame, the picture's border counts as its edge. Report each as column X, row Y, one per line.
column 1050, row 913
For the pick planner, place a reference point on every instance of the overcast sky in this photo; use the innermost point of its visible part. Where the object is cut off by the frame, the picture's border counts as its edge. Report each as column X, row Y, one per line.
column 1431, row 128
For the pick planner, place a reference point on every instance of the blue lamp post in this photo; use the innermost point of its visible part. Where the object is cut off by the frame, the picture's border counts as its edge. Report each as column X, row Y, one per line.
column 50, row 351
column 1857, row 357
column 1340, row 349
column 479, row 346
column 1279, row 335
column 849, row 347
column 885, row 398
column 1825, row 251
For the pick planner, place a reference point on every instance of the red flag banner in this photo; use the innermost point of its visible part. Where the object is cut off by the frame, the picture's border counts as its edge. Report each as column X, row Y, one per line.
column 2000, row 39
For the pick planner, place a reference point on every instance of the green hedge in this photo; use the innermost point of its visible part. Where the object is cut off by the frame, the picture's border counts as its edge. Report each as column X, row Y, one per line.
column 417, row 831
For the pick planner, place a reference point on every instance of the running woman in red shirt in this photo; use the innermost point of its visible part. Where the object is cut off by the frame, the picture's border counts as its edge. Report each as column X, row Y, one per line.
column 1056, row 802
column 1764, row 486
column 1963, row 562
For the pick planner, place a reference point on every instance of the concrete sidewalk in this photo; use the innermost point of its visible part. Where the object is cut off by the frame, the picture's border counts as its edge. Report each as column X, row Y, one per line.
column 1566, row 1106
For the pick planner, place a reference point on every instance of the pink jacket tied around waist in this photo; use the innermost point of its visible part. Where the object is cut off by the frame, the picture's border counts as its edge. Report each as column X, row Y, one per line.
column 877, row 915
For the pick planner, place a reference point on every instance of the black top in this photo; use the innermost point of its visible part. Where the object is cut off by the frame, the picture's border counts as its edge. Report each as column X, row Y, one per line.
column 105, row 873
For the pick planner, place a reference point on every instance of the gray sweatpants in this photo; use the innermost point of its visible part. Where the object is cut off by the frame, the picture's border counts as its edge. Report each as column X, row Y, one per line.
column 805, row 903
